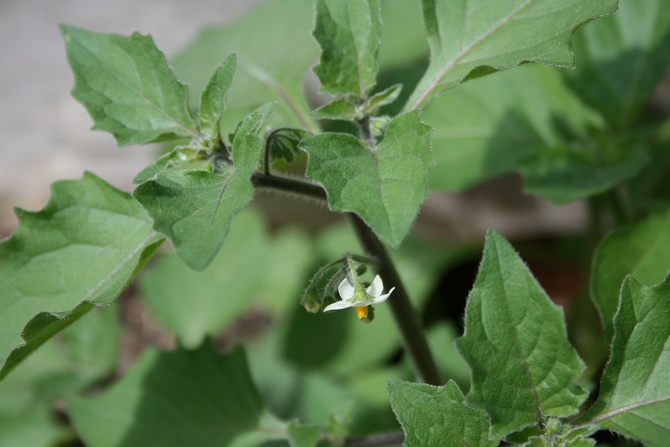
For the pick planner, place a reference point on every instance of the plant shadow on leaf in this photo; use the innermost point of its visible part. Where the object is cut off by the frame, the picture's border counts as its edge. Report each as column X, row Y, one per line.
column 315, row 339
column 617, row 87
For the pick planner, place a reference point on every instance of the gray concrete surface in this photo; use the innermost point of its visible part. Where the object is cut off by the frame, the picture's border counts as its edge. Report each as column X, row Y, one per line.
column 44, row 133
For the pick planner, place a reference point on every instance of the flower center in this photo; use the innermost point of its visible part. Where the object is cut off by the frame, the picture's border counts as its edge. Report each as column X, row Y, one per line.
column 362, row 312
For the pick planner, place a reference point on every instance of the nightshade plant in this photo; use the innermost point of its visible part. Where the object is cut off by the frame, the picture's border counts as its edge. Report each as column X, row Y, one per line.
column 393, row 129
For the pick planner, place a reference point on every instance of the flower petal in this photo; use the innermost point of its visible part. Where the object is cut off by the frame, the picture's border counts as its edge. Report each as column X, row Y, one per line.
column 380, row 298
column 376, row 288
column 337, row 305
column 346, row 290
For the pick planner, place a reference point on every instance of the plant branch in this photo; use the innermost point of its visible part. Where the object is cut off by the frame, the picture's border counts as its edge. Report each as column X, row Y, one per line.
column 287, row 184
column 410, row 330
column 379, row 440
column 406, row 319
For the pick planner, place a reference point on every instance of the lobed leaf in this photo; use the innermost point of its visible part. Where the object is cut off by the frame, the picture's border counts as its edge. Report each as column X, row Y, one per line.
column 642, row 250
column 81, row 250
column 523, row 367
column 634, row 395
column 195, row 208
column 348, row 33
column 432, row 416
column 177, row 398
column 472, row 37
column 384, row 185
column 127, row 87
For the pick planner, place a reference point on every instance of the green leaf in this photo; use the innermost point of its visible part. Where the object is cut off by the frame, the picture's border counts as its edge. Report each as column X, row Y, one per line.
column 634, row 395
column 565, row 174
column 476, row 139
column 383, row 98
column 339, row 109
column 81, row 250
column 213, row 100
column 303, row 435
column 515, row 341
column 432, row 416
column 348, row 33
column 621, row 59
column 127, row 87
column 177, row 398
column 468, row 38
column 193, row 304
column 195, row 208
column 642, row 250
column 268, row 68
column 385, row 185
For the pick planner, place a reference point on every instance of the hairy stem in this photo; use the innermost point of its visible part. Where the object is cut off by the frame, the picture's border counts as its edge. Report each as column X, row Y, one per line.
column 406, row 319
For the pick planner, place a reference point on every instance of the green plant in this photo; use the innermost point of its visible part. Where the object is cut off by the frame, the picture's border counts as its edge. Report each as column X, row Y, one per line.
column 317, row 378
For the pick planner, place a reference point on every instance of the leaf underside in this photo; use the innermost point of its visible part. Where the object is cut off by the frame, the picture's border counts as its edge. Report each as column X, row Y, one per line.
column 467, row 35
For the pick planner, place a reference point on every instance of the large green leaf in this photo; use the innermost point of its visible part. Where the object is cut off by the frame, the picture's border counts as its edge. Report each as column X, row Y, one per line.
column 81, row 250
column 477, row 138
column 127, row 87
column 432, row 416
column 175, row 399
column 196, row 304
column 634, row 395
column 348, row 33
column 195, row 208
column 621, row 59
column 472, row 37
column 564, row 174
column 642, row 251
column 274, row 52
column 515, row 341
column 384, row 185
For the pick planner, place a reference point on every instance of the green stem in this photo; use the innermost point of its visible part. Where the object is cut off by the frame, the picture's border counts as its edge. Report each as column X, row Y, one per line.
column 406, row 319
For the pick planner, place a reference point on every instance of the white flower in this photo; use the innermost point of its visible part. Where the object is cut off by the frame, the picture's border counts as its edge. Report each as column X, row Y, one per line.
column 354, row 296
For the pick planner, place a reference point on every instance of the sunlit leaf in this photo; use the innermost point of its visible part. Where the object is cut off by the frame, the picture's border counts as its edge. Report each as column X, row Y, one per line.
column 384, row 185
column 127, row 86
column 515, row 341
column 432, row 416
column 81, row 250
column 635, row 391
column 473, row 37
